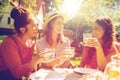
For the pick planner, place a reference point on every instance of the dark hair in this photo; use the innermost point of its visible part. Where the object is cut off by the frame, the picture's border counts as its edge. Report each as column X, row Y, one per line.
column 109, row 34
column 21, row 18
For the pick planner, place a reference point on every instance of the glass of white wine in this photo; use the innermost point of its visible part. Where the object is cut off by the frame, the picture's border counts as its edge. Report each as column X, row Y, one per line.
column 86, row 37
column 48, row 55
column 69, row 51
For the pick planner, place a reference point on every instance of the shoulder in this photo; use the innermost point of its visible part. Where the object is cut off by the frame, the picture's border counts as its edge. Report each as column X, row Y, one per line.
column 8, row 44
column 8, row 40
column 115, row 46
column 41, row 40
column 41, row 45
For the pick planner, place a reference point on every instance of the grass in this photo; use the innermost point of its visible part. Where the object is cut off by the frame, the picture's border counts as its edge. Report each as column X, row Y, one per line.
column 23, row 78
column 0, row 41
column 1, row 38
column 76, row 61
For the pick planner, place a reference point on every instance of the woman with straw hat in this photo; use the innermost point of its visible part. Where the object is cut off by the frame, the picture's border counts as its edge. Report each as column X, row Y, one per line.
column 54, row 38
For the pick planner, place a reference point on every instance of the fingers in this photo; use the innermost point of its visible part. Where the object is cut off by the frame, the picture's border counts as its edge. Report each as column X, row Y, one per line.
column 93, row 42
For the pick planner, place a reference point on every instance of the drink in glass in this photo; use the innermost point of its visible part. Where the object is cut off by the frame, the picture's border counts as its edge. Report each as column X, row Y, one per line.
column 86, row 37
column 69, row 51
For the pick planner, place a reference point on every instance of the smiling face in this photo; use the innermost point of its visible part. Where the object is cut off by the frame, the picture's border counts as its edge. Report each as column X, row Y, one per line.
column 98, row 31
column 32, row 29
column 57, row 25
column 54, row 29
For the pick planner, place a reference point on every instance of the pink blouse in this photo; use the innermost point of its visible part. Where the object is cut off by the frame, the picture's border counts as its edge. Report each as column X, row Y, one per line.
column 90, row 60
column 14, row 56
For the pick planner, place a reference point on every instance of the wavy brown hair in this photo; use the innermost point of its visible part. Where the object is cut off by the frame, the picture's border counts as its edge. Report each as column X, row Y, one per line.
column 109, row 32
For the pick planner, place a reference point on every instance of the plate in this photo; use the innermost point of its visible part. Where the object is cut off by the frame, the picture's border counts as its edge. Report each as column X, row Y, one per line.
column 85, row 70
column 53, row 75
column 39, row 75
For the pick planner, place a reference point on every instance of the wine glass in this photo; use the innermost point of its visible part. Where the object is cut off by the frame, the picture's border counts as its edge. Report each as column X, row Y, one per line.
column 69, row 51
column 48, row 55
column 112, row 70
column 86, row 37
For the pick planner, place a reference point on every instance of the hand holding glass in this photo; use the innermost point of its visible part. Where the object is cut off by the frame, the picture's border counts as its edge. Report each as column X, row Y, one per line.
column 48, row 55
column 86, row 37
column 69, row 51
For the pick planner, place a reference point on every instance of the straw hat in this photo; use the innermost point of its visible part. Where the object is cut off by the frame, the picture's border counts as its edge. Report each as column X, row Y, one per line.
column 52, row 14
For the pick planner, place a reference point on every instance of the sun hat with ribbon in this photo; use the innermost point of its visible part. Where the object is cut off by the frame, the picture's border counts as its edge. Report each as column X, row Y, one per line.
column 51, row 15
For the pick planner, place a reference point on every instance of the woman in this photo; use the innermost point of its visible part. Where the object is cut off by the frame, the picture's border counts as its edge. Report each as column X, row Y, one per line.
column 16, row 56
column 54, row 38
column 101, row 47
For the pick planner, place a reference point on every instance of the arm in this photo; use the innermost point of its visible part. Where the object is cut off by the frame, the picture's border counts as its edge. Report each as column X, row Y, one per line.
column 12, row 60
column 101, row 58
column 56, row 62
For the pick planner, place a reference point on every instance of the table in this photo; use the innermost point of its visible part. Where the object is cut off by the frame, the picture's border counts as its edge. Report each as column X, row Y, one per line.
column 60, row 74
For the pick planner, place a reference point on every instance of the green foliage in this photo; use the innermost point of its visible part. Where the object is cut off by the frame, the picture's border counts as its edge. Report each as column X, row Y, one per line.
column 57, row 3
column 88, row 11
column 4, row 5
column 91, row 9
column 30, row 5
column 53, row 4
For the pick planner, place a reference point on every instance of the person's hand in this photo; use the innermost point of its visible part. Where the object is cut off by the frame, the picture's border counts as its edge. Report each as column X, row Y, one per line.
column 56, row 62
column 93, row 42
column 60, row 60
column 68, row 52
column 41, row 55
column 36, row 63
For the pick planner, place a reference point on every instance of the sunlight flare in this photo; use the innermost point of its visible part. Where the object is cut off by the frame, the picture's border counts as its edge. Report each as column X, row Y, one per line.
column 70, row 7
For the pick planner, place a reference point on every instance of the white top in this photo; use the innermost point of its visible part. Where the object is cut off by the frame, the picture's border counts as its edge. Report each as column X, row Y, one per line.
column 42, row 45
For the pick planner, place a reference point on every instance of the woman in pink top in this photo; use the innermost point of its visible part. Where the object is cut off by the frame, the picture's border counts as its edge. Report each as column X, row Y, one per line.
column 16, row 52
column 100, row 48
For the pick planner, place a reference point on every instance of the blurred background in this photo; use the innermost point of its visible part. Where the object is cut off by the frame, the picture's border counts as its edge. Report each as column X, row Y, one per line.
column 81, row 14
